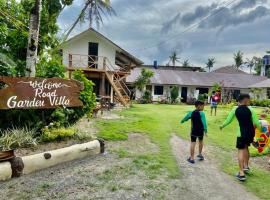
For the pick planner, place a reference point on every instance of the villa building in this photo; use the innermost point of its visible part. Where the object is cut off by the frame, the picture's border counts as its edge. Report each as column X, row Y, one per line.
column 192, row 83
column 103, row 62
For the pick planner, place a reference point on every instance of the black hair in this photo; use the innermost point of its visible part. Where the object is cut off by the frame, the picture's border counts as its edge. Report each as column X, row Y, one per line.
column 213, row 92
column 241, row 97
column 198, row 103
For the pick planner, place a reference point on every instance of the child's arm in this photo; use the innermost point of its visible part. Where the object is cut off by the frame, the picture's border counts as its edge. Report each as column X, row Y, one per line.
column 255, row 119
column 186, row 118
column 229, row 119
column 204, row 121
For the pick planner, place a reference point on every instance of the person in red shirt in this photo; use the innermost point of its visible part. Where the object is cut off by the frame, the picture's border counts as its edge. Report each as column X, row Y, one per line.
column 214, row 99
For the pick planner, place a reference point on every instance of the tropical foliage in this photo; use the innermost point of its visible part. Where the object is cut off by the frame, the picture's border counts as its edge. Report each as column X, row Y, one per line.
column 174, row 93
column 210, row 63
column 174, row 58
column 186, row 63
column 238, row 59
column 143, row 79
column 17, row 138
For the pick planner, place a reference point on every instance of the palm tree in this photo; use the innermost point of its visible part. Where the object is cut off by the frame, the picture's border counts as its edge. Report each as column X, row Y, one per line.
column 210, row 63
column 238, row 59
column 32, row 45
column 95, row 9
column 186, row 63
column 174, row 58
column 250, row 63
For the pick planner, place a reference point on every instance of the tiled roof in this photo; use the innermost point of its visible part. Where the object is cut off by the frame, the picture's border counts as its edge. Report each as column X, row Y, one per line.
column 263, row 84
column 229, row 70
column 203, row 79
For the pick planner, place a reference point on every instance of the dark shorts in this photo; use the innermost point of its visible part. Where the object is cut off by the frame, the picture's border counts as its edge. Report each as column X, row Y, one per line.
column 243, row 142
column 214, row 105
column 196, row 134
column 194, row 138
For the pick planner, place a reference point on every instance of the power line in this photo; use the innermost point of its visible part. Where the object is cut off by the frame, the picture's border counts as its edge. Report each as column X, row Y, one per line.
column 191, row 27
column 12, row 19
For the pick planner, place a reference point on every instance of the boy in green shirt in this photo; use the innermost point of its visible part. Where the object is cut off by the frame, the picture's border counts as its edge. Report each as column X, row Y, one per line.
column 247, row 120
column 198, row 129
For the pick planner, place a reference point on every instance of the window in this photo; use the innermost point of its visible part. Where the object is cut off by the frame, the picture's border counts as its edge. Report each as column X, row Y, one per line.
column 236, row 94
column 158, row 90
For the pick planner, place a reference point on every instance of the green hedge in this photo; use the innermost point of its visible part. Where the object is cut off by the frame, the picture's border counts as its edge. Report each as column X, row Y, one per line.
column 261, row 103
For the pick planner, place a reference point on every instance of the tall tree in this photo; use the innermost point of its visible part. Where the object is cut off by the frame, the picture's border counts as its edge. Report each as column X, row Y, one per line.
column 143, row 79
column 32, row 45
column 210, row 63
column 14, row 28
column 186, row 63
column 238, row 59
column 174, row 58
column 250, row 63
column 93, row 11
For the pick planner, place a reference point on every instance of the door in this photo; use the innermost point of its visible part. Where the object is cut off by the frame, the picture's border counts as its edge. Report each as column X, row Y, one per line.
column 236, row 94
column 93, row 55
column 184, row 94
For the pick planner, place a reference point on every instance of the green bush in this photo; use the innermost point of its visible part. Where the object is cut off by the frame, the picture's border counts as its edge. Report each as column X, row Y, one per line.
column 260, row 103
column 174, row 94
column 50, row 69
column 147, row 97
column 56, row 134
column 17, row 138
column 203, row 97
column 87, row 96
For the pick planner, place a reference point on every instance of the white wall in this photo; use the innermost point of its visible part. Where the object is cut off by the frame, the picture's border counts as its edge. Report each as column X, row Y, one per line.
column 79, row 45
column 262, row 96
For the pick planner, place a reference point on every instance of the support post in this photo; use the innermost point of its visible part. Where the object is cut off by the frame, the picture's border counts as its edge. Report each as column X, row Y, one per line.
column 104, row 63
column 102, row 85
column 69, row 60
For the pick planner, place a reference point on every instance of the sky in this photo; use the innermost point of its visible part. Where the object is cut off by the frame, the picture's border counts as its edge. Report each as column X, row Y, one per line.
column 195, row 29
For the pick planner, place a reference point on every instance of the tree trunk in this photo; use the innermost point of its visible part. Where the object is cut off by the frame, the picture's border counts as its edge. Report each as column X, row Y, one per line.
column 32, row 47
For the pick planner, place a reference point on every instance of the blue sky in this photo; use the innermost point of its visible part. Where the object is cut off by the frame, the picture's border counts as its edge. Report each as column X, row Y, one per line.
column 151, row 29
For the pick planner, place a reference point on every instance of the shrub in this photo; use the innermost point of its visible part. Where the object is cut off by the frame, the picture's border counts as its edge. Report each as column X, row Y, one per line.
column 174, row 93
column 7, row 66
column 50, row 69
column 203, row 97
column 261, row 103
column 87, row 96
column 147, row 97
column 17, row 138
column 56, row 134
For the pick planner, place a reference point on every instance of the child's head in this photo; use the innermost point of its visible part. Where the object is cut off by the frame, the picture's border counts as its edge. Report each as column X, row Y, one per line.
column 199, row 105
column 244, row 99
column 214, row 92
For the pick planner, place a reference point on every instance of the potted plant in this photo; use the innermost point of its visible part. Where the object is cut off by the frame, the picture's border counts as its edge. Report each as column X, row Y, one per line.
column 12, row 139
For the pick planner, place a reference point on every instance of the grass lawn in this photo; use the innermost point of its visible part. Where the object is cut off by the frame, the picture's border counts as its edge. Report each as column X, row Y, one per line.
column 159, row 122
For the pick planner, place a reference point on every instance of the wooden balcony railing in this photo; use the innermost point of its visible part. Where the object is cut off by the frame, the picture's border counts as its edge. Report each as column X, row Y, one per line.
column 92, row 62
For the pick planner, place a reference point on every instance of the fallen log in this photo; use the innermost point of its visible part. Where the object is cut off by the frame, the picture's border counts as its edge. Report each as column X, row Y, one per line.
column 41, row 161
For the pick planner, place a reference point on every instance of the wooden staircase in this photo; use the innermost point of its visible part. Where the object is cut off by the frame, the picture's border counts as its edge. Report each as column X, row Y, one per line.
column 122, row 92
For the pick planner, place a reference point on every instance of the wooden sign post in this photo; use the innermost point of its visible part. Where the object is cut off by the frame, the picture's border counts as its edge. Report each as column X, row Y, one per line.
column 39, row 93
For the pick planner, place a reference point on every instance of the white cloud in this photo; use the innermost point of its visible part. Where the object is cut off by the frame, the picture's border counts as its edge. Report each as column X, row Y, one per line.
column 138, row 25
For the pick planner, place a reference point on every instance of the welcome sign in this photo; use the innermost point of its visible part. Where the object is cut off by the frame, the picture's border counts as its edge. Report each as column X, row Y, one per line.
column 39, row 93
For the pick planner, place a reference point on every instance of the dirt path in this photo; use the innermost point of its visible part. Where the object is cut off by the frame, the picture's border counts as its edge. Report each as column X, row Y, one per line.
column 204, row 180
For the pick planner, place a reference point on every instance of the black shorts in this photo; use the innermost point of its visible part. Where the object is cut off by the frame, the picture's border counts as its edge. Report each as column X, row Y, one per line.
column 194, row 138
column 243, row 142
